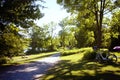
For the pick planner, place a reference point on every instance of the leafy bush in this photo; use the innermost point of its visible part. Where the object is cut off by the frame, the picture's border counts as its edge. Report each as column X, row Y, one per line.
column 70, row 52
column 85, row 50
column 4, row 60
column 88, row 53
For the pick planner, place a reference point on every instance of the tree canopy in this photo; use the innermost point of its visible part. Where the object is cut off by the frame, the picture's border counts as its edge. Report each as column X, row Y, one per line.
column 19, row 12
column 14, row 15
column 91, row 9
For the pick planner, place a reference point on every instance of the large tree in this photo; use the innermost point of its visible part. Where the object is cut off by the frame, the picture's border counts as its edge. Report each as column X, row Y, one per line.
column 91, row 8
column 19, row 12
column 12, row 43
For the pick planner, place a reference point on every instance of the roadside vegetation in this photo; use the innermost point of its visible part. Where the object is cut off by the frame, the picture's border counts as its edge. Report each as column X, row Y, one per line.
column 79, row 66
column 91, row 23
column 25, row 59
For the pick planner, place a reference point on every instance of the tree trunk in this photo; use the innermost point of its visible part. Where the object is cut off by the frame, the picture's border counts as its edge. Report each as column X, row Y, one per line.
column 99, row 20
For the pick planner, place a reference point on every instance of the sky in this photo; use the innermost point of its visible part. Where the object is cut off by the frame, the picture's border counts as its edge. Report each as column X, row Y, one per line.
column 53, row 12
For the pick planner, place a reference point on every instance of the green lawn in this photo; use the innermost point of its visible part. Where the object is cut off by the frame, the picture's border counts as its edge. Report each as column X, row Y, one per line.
column 29, row 58
column 72, row 67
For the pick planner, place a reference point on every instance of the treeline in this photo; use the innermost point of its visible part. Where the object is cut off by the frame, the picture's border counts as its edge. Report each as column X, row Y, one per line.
column 87, row 26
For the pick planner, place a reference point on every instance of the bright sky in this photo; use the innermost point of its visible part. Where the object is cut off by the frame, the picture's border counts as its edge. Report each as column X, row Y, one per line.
column 53, row 12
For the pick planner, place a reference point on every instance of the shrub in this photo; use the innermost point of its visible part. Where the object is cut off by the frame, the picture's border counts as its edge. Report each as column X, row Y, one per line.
column 4, row 60
column 70, row 52
column 88, row 53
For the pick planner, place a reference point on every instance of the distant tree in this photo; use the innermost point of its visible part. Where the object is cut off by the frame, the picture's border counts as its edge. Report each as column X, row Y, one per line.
column 66, row 34
column 38, row 38
column 52, row 27
column 43, row 38
column 63, row 33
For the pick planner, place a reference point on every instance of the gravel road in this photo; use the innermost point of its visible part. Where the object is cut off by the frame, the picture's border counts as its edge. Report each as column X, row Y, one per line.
column 30, row 71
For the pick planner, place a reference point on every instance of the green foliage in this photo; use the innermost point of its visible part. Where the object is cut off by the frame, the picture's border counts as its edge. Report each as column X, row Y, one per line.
column 20, row 14
column 70, row 52
column 84, row 38
column 90, row 14
column 11, row 42
column 4, row 60
column 73, row 68
column 88, row 54
column 115, row 30
column 106, row 38
column 115, row 23
column 66, row 34
column 43, row 38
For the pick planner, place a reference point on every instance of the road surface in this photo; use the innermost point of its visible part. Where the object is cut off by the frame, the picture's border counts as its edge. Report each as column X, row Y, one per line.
column 30, row 71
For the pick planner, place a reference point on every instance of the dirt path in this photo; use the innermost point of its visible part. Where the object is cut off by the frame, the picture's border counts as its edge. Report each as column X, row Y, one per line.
column 31, row 71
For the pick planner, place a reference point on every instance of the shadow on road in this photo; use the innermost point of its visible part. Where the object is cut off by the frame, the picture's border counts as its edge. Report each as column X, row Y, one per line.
column 30, row 71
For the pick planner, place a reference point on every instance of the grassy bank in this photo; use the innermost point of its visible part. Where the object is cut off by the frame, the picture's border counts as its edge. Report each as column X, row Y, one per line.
column 29, row 58
column 73, row 67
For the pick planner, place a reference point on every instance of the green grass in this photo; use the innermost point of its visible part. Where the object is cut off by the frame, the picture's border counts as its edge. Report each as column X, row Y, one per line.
column 73, row 67
column 30, row 58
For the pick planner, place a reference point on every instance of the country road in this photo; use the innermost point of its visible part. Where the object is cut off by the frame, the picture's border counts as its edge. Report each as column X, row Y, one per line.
column 30, row 71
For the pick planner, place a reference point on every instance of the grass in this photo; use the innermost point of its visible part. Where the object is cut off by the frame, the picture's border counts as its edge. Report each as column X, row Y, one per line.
column 30, row 58
column 73, row 67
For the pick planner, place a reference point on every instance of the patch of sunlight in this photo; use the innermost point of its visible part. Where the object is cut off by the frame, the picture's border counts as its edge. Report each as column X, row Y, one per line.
column 90, row 72
column 38, row 76
column 110, row 68
column 73, row 58
column 78, row 73
column 49, row 60
column 84, row 72
column 49, row 77
column 30, row 58
column 28, row 69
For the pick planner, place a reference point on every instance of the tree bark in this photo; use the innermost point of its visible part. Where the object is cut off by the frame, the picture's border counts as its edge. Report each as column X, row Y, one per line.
column 99, row 20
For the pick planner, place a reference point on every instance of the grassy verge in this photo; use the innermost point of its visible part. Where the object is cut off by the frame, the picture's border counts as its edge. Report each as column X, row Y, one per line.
column 29, row 58
column 73, row 67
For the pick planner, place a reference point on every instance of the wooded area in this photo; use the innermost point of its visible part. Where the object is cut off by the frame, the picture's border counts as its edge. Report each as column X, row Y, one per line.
column 92, row 23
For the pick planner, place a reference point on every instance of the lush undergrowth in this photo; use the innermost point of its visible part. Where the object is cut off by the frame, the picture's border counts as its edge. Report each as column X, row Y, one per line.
column 74, row 66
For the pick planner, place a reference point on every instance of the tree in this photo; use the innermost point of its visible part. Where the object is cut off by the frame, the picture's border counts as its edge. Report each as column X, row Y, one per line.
column 12, row 43
column 87, row 8
column 13, row 15
column 42, row 38
column 84, row 37
column 115, row 30
column 115, row 23
column 38, row 39
column 19, row 12
column 63, row 33
column 66, row 34
column 52, row 34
